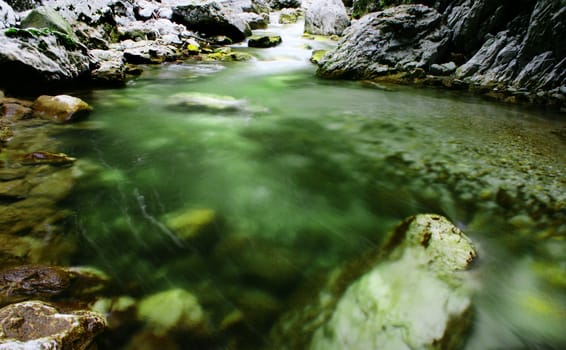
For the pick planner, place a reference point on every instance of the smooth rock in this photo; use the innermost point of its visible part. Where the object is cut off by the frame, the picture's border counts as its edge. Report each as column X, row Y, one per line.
column 398, row 39
column 193, row 224
column 410, row 294
column 325, row 17
column 60, row 108
column 210, row 103
column 38, row 325
column 443, row 69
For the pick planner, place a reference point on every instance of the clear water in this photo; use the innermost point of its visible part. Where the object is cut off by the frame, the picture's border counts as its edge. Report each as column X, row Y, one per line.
column 314, row 173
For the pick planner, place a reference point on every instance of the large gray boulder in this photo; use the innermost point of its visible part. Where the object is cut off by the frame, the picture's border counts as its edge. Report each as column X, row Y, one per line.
column 8, row 17
column 410, row 295
column 211, row 18
column 325, row 17
column 39, row 58
column 93, row 12
column 397, row 39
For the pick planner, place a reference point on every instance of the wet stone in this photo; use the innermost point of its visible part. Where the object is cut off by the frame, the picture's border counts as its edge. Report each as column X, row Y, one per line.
column 61, row 108
column 38, row 325
column 264, row 41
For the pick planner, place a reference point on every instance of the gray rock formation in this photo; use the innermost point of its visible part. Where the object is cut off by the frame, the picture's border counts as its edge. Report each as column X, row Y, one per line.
column 35, row 57
column 398, row 39
column 412, row 295
column 210, row 18
column 8, row 17
column 325, row 17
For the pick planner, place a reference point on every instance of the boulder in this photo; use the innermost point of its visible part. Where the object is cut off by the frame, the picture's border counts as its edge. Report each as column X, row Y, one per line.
column 26, row 282
column 111, row 67
column 8, row 17
column 60, row 108
column 149, row 52
column 443, row 69
column 254, row 20
column 264, row 41
column 93, row 12
column 325, row 17
column 411, row 294
column 37, row 59
column 398, row 39
column 38, row 325
column 210, row 18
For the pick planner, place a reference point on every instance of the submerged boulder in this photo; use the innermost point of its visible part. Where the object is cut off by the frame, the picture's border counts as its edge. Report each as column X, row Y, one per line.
column 325, row 17
column 210, row 103
column 398, row 39
column 38, row 325
column 409, row 295
column 211, row 18
column 60, row 108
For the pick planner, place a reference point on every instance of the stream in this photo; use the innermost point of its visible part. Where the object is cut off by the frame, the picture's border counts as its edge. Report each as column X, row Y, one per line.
column 306, row 174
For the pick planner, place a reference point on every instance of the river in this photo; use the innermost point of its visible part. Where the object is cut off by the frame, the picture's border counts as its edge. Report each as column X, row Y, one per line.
column 311, row 173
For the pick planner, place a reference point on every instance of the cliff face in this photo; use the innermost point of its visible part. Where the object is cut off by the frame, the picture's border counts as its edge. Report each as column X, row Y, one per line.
column 513, row 49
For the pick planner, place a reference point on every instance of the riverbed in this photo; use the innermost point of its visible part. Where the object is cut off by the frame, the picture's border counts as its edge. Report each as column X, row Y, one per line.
column 308, row 173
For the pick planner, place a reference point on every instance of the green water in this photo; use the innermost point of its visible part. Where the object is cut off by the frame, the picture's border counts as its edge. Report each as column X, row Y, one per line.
column 313, row 174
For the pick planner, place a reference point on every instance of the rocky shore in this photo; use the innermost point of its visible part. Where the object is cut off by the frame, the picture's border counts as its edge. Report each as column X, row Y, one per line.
column 509, row 51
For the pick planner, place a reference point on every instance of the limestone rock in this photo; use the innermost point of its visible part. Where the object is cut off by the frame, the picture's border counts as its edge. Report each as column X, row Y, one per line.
column 60, row 108
column 326, row 17
column 289, row 16
column 254, row 20
column 264, row 41
column 281, row 4
column 111, row 67
column 8, row 17
column 36, row 58
column 398, row 39
column 409, row 295
column 38, row 325
column 211, row 18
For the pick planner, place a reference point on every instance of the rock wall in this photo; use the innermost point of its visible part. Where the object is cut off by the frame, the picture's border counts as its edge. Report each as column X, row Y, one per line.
column 510, row 50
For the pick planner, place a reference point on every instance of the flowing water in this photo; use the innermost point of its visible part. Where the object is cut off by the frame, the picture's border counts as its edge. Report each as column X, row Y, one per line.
column 306, row 173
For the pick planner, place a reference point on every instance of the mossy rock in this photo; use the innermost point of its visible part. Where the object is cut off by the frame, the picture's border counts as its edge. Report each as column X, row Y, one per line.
column 226, row 54
column 264, row 41
column 317, row 55
column 48, row 18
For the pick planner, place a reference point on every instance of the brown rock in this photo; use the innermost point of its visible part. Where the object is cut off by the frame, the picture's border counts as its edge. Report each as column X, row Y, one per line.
column 61, row 108
column 41, row 157
column 38, row 325
column 47, row 282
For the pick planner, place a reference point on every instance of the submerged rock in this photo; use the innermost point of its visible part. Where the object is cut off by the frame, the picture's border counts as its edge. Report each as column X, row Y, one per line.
column 264, row 41
column 410, row 295
column 38, row 325
column 210, row 103
column 398, row 39
column 325, row 17
column 173, row 310
column 60, row 108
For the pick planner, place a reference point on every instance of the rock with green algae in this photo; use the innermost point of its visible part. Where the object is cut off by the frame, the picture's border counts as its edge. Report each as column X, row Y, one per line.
column 38, row 325
column 289, row 16
column 171, row 311
column 226, row 54
column 47, row 17
column 192, row 223
column 60, row 108
column 264, row 41
column 409, row 295
column 317, row 56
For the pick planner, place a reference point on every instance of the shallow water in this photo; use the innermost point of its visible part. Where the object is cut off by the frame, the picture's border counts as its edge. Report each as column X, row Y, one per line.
column 315, row 172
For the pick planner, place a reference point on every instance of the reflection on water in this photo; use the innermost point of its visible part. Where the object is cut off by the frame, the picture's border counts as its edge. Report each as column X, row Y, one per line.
column 317, row 180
